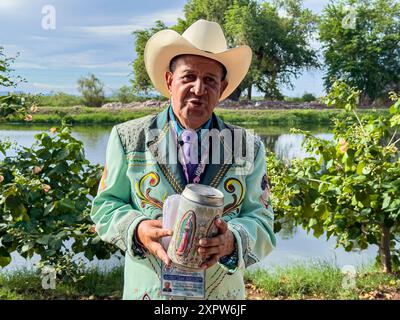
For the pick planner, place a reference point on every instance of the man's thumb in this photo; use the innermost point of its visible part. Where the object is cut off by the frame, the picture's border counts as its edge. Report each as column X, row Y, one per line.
column 221, row 225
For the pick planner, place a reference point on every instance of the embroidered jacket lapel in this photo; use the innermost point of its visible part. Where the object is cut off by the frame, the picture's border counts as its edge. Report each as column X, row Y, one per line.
column 163, row 146
column 214, row 172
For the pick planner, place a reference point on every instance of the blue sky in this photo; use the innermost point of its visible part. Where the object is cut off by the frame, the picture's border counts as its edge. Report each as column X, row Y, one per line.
column 94, row 36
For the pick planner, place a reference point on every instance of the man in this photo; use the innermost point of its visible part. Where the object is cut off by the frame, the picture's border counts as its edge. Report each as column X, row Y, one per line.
column 167, row 287
column 195, row 70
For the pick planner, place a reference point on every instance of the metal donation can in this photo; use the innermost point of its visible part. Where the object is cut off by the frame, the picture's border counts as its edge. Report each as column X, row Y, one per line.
column 199, row 207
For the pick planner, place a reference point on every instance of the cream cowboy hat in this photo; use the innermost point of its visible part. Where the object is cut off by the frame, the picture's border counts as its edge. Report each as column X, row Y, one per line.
column 202, row 38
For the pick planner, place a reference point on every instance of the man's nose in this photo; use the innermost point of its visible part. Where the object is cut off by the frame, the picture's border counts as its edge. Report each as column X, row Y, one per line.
column 198, row 88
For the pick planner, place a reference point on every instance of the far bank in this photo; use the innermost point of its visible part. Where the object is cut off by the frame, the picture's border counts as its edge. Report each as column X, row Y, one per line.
column 244, row 117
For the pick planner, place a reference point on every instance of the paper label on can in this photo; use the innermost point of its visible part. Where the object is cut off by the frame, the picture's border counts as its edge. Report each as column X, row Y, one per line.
column 180, row 282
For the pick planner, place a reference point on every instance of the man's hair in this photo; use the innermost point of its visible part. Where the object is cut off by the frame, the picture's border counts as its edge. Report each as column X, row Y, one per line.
column 172, row 65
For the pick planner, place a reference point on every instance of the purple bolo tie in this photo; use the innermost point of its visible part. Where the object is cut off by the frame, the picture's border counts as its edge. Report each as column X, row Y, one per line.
column 190, row 152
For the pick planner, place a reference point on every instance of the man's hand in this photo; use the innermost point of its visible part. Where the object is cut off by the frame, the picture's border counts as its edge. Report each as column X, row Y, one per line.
column 214, row 248
column 149, row 233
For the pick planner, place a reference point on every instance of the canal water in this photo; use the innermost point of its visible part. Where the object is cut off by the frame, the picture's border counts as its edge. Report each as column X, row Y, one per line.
column 298, row 247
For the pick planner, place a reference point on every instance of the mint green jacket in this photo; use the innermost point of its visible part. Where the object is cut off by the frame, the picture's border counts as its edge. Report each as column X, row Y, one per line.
column 136, row 181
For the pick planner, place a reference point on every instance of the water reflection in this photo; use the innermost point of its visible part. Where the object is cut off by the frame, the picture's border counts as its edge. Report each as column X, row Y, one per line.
column 293, row 244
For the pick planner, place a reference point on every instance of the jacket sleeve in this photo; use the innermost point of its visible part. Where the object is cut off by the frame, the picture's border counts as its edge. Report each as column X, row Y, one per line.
column 112, row 211
column 253, row 227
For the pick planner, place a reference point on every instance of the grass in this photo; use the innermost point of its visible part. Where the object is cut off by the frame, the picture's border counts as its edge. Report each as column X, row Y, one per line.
column 320, row 280
column 312, row 280
column 97, row 284
column 245, row 117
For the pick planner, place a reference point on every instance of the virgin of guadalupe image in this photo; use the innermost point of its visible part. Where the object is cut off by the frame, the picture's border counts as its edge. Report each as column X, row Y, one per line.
column 187, row 231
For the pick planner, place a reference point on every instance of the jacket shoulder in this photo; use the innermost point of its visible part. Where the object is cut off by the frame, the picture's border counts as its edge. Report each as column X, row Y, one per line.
column 247, row 135
column 133, row 133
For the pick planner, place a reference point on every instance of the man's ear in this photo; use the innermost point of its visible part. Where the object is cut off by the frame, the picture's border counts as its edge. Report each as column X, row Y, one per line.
column 224, row 84
column 168, row 79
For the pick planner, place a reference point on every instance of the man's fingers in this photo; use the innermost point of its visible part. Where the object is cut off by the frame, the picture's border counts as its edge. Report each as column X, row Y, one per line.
column 159, row 251
column 206, row 252
column 211, row 242
column 159, row 233
column 157, row 223
column 210, row 262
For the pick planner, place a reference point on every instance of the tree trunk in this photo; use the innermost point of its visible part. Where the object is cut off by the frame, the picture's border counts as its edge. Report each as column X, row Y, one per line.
column 249, row 92
column 384, row 249
column 235, row 95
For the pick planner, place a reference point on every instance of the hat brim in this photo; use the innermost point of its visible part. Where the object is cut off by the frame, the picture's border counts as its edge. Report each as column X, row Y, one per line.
column 167, row 44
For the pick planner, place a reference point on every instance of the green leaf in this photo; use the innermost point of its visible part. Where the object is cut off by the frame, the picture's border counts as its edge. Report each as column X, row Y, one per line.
column 62, row 154
column 27, row 246
column 360, row 167
column 386, row 201
column 5, row 257
column 49, row 208
column 46, row 140
column 59, row 169
column 67, row 204
column 43, row 240
column 366, row 170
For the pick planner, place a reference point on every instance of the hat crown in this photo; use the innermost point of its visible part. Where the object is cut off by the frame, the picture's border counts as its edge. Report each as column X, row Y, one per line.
column 206, row 36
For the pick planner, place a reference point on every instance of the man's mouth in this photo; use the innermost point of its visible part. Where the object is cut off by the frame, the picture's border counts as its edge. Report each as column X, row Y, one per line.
column 195, row 102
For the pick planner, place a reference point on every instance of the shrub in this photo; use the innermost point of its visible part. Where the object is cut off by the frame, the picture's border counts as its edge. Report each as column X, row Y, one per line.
column 92, row 90
column 348, row 187
column 45, row 199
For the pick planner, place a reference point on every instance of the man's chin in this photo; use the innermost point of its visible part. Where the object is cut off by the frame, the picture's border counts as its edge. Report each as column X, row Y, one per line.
column 195, row 121
column 195, row 113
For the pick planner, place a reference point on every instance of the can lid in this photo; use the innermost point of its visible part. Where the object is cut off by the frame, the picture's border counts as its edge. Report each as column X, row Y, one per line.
column 203, row 194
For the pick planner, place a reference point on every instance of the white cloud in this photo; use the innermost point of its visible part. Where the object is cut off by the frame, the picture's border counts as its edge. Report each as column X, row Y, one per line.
column 50, row 86
column 11, row 50
column 9, row 4
column 169, row 17
column 315, row 5
column 89, row 59
column 108, row 31
column 15, row 7
column 28, row 65
column 106, row 65
column 39, row 38
column 114, row 74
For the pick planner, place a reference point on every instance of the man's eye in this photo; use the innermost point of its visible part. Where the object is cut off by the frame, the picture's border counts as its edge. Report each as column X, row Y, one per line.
column 210, row 80
column 188, row 78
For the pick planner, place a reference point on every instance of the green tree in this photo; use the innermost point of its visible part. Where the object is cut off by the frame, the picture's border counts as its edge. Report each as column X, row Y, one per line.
column 242, row 29
column 92, row 90
column 141, row 83
column 348, row 187
column 124, row 94
column 57, row 99
column 10, row 104
column 45, row 198
column 308, row 97
column 45, row 194
column 6, row 79
column 280, row 42
column 212, row 10
column 365, row 55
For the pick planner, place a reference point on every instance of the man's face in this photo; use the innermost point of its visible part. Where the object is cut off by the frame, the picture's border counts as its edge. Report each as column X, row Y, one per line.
column 195, row 87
